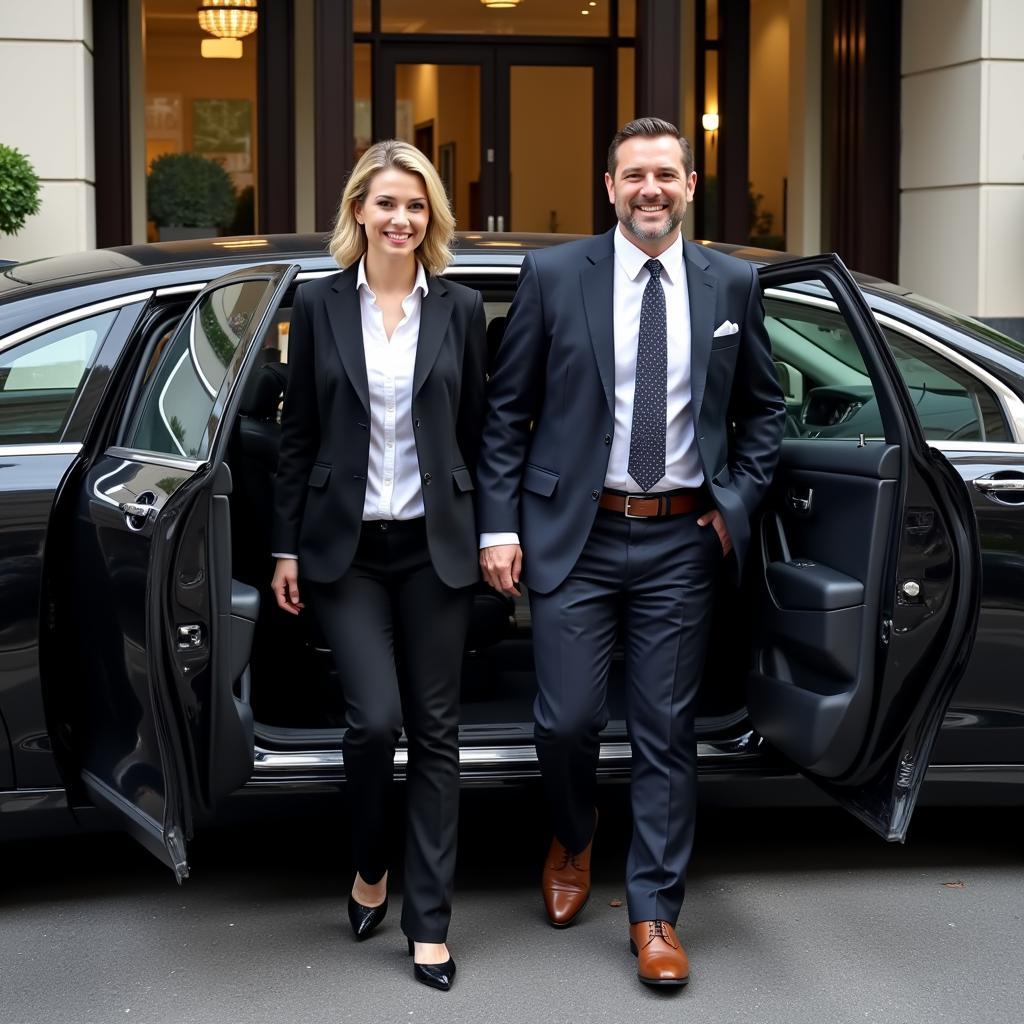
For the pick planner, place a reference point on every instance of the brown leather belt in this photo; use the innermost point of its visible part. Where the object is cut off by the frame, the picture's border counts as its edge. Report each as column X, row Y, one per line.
column 646, row 506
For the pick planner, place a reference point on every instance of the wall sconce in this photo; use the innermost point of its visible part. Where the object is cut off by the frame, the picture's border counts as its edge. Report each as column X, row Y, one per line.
column 709, row 122
column 229, row 21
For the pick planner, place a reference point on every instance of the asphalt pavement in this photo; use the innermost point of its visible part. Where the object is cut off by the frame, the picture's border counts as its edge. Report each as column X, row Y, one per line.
column 790, row 917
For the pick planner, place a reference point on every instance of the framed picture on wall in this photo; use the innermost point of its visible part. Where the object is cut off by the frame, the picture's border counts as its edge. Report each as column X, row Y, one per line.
column 446, row 168
column 222, row 130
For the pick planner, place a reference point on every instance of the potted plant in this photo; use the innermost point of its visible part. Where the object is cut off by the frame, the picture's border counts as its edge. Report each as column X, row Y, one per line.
column 19, row 190
column 189, row 196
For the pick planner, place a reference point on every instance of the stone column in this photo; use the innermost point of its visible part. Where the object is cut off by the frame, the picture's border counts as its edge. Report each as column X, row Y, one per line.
column 46, row 80
column 962, row 156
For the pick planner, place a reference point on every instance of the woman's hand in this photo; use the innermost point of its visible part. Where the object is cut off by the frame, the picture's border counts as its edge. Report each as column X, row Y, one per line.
column 286, row 585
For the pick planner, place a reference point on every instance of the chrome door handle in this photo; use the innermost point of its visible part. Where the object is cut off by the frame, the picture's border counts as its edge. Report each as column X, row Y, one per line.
column 136, row 513
column 800, row 500
column 135, row 509
column 990, row 484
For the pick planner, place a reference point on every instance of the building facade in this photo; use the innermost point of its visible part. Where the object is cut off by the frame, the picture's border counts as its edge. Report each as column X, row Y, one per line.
column 885, row 131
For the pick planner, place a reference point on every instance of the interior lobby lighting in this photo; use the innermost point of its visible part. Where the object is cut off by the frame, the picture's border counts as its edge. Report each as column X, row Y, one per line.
column 709, row 122
column 229, row 21
column 499, row 4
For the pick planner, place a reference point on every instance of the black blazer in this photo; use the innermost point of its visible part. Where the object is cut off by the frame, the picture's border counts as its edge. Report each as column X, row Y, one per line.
column 325, row 433
column 550, row 414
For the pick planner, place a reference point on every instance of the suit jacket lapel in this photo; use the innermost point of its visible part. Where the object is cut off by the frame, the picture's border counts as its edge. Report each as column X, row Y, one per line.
column 598, row 280
column 435, row 312
column 701, row 288
column 347, row 327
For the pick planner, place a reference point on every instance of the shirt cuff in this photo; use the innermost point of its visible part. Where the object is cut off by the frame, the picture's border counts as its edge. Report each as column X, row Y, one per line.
column 491, row 540
column 281, row 554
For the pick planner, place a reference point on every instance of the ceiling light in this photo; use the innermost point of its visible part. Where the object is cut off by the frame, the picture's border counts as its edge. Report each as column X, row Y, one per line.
column 228, row 19
column 499, row 4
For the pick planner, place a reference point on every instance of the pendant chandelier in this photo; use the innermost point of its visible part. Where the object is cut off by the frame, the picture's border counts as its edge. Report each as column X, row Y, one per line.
column 229, row 21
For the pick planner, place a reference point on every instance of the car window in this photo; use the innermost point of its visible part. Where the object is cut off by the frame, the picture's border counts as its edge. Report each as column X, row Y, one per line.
column 827, row 387
column 829, row 392
column 174, row 411
column 41, row 377
column 951, row 403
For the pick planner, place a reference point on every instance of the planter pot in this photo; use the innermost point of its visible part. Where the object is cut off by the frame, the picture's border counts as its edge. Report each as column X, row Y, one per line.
column 173, row 233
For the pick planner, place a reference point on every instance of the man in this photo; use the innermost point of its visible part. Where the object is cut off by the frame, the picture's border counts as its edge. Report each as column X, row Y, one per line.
column 633, row 427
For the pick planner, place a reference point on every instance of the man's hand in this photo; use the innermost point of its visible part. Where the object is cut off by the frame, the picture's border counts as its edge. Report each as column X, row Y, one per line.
column 286, row 586
column 501, row 566
column 715, row 519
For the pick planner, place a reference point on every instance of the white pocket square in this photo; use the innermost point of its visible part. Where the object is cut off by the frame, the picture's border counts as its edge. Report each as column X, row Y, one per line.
column 726, row 328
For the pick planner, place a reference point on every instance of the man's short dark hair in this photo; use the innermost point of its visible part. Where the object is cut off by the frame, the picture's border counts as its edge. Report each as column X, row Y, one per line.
column 648, row 128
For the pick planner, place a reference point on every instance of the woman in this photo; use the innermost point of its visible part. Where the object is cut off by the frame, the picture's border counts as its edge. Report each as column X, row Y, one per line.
column 374, row 510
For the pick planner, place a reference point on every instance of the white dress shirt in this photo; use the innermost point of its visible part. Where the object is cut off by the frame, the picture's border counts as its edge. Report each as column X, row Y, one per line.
column 682, row 461
column 393, row 486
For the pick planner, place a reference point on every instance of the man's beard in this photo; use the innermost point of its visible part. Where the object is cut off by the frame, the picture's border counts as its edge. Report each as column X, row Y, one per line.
column 671, row 223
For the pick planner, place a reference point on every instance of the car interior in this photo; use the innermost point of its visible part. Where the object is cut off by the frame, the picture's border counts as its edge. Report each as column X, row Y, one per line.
column 290, row 680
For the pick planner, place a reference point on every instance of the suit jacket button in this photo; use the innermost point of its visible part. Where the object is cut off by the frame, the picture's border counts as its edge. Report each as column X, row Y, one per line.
column 416, row 423
column 426, row 478
column 595, row 495
column 607, row 438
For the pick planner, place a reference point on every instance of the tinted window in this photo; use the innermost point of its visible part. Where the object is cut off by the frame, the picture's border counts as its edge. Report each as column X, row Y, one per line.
column 829, row 392
column 40, row 378
column 174, row 416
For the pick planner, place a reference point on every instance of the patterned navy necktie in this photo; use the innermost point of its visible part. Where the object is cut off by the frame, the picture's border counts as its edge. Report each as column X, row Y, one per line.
column 647, row 438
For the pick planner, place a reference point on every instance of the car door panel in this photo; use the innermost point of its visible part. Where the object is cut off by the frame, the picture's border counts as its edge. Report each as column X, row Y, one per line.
column 161, row 729
column 868, row 580
column 985, row 721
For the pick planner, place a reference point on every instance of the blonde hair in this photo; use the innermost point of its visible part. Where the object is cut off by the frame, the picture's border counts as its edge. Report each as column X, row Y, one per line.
column 348, row 243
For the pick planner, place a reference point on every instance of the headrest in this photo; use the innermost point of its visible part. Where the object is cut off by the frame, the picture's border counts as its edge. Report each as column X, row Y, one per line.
column 263, row 391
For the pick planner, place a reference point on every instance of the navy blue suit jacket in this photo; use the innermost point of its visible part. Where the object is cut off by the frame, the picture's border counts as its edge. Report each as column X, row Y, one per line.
column 545, row 451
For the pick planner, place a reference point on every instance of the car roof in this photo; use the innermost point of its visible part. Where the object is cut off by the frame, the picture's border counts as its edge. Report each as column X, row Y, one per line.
column 193, row 256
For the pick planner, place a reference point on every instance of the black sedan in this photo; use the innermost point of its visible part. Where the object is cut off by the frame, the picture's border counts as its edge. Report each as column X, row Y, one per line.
column 877, row 635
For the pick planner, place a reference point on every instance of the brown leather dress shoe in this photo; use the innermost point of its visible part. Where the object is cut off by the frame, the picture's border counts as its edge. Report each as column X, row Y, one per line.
column 661, row 959
column 565, row 883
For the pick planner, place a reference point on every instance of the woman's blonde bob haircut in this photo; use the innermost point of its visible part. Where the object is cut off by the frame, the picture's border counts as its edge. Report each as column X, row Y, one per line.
column 348, row 243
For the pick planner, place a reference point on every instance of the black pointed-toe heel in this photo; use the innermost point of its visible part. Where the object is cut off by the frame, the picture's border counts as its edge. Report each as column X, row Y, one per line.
column 439, row 976
column 365, row 919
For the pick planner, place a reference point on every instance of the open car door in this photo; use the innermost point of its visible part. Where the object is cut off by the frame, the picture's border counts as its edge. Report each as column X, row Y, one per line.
column 868, row 579
column 155, row 691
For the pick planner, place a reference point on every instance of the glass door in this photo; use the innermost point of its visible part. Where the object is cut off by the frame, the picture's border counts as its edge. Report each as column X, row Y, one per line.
column 517, row 133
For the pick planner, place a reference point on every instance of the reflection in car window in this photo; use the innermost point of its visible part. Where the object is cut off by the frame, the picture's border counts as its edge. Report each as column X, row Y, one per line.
column 829, row 393
column 40, row 378
column 951, row 404
column 178, row 399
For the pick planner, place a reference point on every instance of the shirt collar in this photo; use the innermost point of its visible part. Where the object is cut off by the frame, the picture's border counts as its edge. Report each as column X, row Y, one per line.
column 420, row 285
column 633, row 260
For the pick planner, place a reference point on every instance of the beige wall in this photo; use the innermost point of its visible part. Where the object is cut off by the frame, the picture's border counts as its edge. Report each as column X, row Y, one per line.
column 962, row 154
column 46, row 63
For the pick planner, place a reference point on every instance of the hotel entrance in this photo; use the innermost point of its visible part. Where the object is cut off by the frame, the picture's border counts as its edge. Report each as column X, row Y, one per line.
column 515, row 103
column 518, row 133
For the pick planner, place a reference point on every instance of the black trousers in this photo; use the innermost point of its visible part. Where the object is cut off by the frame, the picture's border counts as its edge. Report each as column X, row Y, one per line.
column 390, row 607
column 653, row 578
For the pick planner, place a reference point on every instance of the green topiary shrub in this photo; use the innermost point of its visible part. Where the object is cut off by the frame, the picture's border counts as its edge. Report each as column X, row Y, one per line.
column 188, row 190
column 19, row 190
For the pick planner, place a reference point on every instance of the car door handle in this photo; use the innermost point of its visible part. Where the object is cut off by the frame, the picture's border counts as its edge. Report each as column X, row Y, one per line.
column 136, row 513
column 990, row 484
column 800, row 499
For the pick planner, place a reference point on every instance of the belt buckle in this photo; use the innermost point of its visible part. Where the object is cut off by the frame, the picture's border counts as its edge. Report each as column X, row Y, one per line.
column 626, row 512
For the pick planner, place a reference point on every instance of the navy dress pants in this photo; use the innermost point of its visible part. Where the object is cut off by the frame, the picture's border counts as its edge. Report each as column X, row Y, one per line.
column 650, row 581
column 391, row 607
